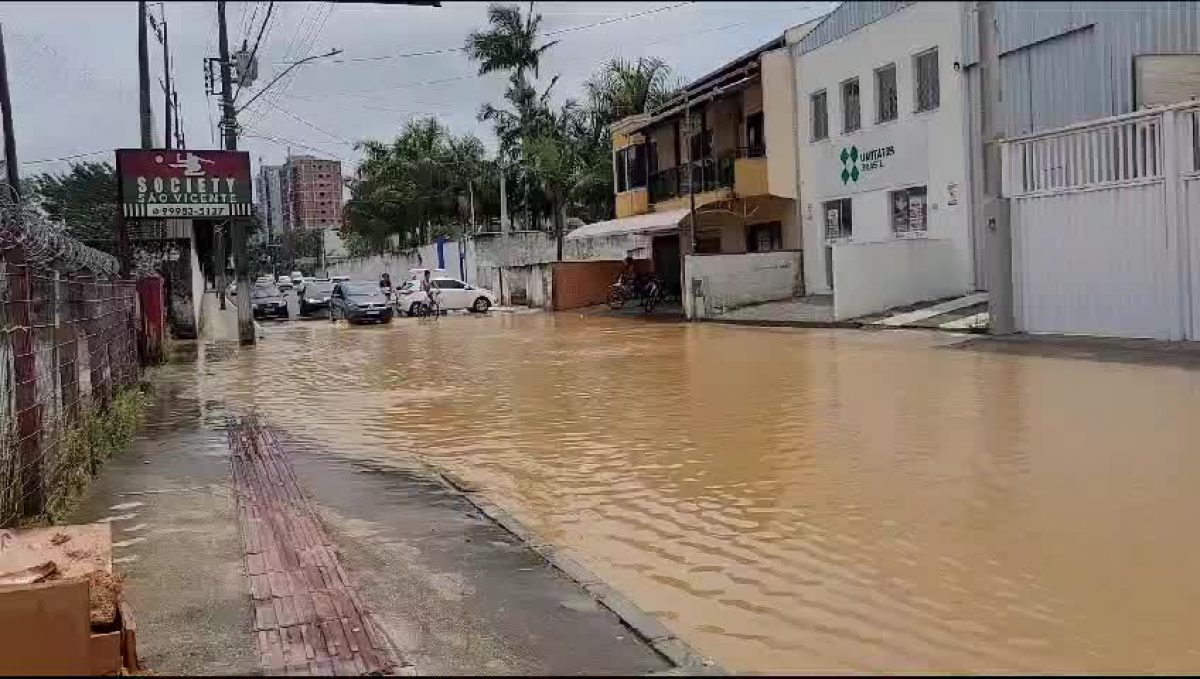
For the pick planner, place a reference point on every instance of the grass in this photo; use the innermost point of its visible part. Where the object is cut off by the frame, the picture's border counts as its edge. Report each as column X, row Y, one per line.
column 83, row 449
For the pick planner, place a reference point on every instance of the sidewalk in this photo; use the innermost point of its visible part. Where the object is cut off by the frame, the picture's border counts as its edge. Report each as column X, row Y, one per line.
column 450, row 590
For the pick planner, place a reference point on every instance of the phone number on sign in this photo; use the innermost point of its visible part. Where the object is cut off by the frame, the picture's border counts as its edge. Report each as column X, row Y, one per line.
column 189, row 210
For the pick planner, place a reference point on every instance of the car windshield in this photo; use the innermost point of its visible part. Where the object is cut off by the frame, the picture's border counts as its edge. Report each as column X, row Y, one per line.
column 265, row 291
column 361, row 290
column 321, row 288
column 408, row 286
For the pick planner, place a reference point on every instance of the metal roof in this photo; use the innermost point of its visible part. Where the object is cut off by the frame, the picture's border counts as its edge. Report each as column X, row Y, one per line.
column 654, row 222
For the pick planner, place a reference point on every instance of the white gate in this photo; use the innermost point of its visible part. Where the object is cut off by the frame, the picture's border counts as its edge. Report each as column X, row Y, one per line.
column 1106, row 226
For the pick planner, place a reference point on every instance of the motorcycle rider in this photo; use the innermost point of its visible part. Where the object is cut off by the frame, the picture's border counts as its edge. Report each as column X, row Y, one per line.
column 385, row 284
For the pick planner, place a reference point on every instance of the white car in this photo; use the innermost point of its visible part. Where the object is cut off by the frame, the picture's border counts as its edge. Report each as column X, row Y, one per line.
column 297, row 278
column 451, row 294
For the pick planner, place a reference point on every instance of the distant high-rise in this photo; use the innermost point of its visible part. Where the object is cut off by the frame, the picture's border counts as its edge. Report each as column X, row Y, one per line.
column 312, row 189
column 270, row 200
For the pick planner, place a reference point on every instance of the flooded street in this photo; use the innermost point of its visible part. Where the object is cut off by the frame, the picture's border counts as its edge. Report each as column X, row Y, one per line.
column 793, row 500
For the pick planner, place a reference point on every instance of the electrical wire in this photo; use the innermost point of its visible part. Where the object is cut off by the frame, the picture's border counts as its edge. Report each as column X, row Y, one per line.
column 257, row 41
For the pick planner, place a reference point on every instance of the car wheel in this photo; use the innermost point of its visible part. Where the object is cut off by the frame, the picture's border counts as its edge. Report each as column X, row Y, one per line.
column 481, row 305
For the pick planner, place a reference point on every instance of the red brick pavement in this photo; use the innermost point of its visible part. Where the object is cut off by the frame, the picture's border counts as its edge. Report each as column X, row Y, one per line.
column 307, row 618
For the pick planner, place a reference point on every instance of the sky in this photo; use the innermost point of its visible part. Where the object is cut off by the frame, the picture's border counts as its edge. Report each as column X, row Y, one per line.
column 73, row 67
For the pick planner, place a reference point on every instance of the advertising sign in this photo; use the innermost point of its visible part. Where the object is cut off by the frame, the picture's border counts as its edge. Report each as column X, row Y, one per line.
column 181, row 184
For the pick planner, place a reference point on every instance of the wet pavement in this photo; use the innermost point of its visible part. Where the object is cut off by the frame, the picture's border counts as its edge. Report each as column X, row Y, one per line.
column 782, row 499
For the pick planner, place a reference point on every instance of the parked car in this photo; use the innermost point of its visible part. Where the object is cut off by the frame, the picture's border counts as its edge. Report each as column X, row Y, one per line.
column 359, row 302
column 452, row 294
column 267, row 301
column 297, row 278
column 314, row 296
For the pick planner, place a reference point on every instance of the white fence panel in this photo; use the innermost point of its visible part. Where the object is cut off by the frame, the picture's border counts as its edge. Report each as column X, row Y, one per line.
column 1094, row 262
column 1191, row 221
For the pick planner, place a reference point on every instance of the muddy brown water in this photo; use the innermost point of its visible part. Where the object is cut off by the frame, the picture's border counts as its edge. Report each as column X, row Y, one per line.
column 794, row 500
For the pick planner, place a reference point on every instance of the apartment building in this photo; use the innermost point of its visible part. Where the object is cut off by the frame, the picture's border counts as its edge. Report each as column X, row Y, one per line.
column 270, row 200
column 312, row 189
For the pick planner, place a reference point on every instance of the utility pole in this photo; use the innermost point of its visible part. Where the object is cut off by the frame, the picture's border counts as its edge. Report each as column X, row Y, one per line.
column 237, row 225
column 503, row 201
column 144, row 76
column 12, row 170
column 161, row 34
column 179, row 140
column 998, row 234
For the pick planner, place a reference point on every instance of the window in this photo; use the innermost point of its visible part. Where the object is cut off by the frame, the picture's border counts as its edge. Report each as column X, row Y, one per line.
column 636, row 156
column 925, row 78
column 631, row 168
column 886, row 106
column 908, row 211
column 838, row 219
column 764, row 237
column 851, row 115
column 820, row 116
column 755, row 144
column 620, row 171
column 448, row 284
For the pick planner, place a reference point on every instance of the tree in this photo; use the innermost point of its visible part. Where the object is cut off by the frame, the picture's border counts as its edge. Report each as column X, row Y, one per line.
column 511, row 44
column 623, row 88
column 421, row 181
column 83, row 200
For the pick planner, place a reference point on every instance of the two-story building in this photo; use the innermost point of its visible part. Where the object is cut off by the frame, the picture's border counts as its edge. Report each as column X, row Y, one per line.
column 716, row 166
column 884, row 154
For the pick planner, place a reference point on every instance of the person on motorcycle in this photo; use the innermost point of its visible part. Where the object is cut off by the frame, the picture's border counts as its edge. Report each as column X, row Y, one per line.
column 385, row 284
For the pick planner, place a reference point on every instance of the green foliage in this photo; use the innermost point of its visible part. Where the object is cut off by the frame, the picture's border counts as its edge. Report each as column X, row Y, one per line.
column 511, row 42
column 624, row 88
column 299, row 244
column 96, row 436
column 423, row 179
column 83, row 200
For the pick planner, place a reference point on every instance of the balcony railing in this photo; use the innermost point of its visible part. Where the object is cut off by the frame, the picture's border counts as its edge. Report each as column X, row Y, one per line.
column 708, row 174
column 758, row 151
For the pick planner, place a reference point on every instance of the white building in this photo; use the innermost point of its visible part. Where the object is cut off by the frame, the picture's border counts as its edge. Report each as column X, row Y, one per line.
column 884, row 155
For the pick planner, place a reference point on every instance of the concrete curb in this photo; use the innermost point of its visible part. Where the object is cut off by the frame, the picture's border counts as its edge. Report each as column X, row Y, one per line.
column 784, row 324
column 686, row 660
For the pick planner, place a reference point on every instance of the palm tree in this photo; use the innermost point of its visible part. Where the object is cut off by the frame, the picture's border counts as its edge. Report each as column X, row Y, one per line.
column 623, row 88
column 510, row 44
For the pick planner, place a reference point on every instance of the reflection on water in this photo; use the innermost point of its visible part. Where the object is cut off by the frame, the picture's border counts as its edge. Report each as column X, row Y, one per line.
column 795, row 500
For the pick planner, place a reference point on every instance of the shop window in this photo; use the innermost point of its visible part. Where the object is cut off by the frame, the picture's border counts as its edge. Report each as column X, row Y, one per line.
column 925, row 79
column 838, row 219
column 886, row 105
column 909, row 216
column 764, row 237
column 819, row 112
column 851, row 114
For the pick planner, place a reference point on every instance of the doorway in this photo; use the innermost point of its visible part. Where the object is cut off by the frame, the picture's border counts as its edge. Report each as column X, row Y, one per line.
column 665, row 256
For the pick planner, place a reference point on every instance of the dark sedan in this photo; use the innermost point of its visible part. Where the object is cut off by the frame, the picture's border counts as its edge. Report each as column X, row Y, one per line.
column 314, row 297
column 268, row 302
column 359, row 303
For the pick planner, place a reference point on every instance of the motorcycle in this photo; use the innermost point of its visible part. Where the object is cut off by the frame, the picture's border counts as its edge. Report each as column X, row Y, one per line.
column 649, row 290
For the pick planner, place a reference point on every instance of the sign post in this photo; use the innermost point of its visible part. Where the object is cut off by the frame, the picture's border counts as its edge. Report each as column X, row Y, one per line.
column 187, row 184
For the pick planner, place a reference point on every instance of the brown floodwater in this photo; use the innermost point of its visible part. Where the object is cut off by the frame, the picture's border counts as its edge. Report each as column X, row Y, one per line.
column 795, row 500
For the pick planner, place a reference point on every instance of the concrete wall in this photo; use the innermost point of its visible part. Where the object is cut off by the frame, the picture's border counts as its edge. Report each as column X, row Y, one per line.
column 779, row 120
column 870, row 277
column 485, row 255
column 730, row 281
column 929, row 148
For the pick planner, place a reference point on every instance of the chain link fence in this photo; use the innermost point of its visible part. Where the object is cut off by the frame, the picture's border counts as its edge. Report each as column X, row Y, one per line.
column 68, row 347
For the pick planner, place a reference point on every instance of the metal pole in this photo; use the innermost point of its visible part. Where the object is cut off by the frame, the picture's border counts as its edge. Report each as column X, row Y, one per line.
column 241, row 267
column 12, row 170
column 998, row 235
column 503, row 201
column 144, row 76
column 166, row 82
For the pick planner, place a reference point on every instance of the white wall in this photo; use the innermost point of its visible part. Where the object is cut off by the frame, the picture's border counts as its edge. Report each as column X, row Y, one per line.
column 930, row 148
column 731, row 281
column 871, row 277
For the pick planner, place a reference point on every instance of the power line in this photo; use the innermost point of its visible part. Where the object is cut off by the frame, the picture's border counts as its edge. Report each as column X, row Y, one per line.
column 62, row 158
column 257, row 41
column 288, row 113
column 546, row 34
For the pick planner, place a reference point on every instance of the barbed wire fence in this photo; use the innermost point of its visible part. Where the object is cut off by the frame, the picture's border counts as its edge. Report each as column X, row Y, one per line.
column 68, row 345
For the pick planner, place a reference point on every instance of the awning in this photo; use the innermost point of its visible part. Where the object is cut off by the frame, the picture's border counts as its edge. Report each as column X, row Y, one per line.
column 654, row 222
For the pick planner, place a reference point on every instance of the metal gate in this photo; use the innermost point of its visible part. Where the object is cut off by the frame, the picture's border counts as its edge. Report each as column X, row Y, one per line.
column 1106, row 226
